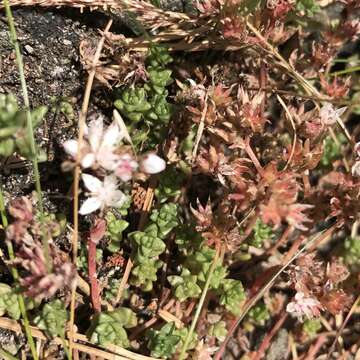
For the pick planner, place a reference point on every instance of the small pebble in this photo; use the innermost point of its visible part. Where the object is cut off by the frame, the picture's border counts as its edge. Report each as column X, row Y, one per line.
column 29, row 49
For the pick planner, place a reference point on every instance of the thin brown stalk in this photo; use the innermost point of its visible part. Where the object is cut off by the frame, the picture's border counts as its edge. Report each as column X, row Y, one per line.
column 200, row 129
column 314, row 349
column 269, row 336
column 288, row 113
column 112, row 352
column 82, row 119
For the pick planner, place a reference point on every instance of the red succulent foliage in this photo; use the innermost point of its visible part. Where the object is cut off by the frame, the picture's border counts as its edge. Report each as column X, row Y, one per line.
column 26, row 232
column 337, row 88
column 321, row 282
column 278, row 9
column 234, row 28
column 281, row 205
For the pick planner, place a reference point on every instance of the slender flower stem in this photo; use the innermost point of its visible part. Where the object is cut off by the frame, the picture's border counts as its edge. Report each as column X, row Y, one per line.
column 15, row 275
column 199, row 307
column 82, row 119
column 30, row 129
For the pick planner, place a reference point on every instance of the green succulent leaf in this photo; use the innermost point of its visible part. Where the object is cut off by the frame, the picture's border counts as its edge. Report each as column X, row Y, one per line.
column 160, row 109
column 166, row 219
column 311, row 327
column 144, row 273
column 133, row 103
column 158, row 56
column 262, row 232
column 109, row 327
column 218, row 330
column 169, row 184
column 352, row 251
column 232, row 295
column 53, row 318
column 115, row 229
column 185, row 286
column 9, row 302
column 259, row 314
column 332, row 150
column 165, row 342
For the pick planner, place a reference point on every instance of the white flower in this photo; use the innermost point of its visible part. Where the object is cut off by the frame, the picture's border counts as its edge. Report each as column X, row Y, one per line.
column 152, row 164
column 125, row 167
column 329, row 115
column 98, row 149
column 304, row 306
column 355, row 170
column 102, row 194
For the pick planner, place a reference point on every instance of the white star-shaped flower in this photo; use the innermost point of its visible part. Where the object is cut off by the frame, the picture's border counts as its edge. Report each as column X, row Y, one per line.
column 98, row 147
column 329, row 115
column 303, row 305
column 102, row 194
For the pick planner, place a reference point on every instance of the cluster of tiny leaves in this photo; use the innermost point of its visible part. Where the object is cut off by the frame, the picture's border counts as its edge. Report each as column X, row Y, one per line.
column 8, row 302
column 149, row 245
column 53, row 318
column 13, row 130
column 259, row 314
column 311, row 327
column 165, row 342
column 109, row 327
column 262, row 232
column 146, row 106
column 232, row 294
column 114, row 231
column 332, row 150
column 169, row 184
column 218, row 330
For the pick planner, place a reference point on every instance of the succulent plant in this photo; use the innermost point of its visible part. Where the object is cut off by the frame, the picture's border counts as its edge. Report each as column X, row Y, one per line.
column 159, row 79
column 311, row 327
column 160, row 109
column 158, row 56
column 262, row 232
column 133, row 103
column 109, row 327
column 144, row 273
column 166, row 219
column 185, row 285
column 200, row 262
column 232, row 294
column 259, row 313
column 165, row 342
column 13, row 126
column 114, row 230
column 53, row 318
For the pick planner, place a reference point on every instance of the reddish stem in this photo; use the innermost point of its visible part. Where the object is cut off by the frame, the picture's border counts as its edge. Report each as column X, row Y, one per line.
column 267, row 339
column 94, row 284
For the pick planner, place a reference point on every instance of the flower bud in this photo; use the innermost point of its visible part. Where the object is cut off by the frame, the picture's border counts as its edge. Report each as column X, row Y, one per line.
column 152, row 164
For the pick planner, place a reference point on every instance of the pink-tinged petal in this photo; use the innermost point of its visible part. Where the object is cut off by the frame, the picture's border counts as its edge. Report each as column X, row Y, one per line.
column 90, row 205
column 107, row 159
column 112, row 136
column 96, row 128
column 88, row 160
column 92, row 183
column 71, row 147
column 152, row 164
